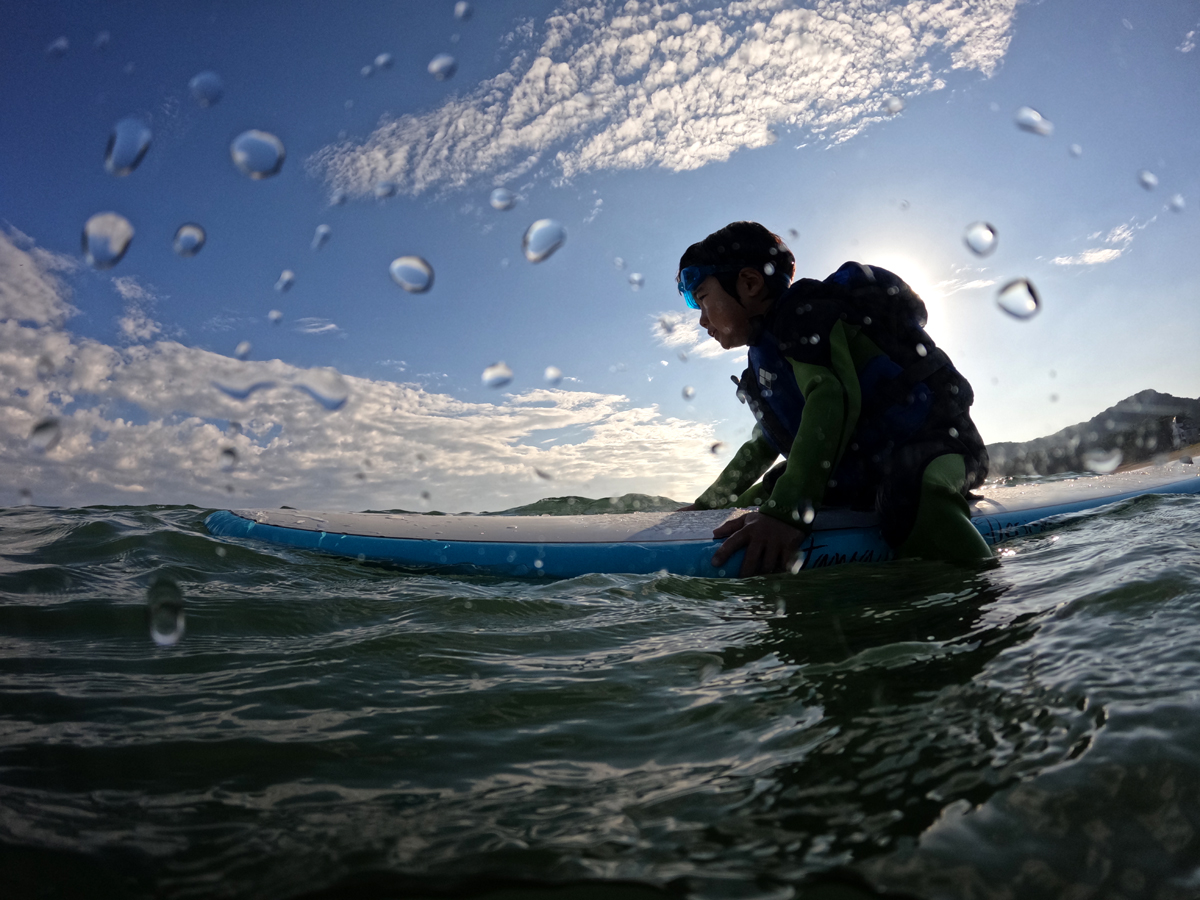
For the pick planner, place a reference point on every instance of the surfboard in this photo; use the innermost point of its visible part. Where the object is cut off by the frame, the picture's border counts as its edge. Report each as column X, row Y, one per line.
column 646, row 542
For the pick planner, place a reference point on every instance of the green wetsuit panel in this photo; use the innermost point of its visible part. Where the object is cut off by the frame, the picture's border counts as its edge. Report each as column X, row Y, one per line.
column 832, row 402
column 943, row 528
column 748, row 465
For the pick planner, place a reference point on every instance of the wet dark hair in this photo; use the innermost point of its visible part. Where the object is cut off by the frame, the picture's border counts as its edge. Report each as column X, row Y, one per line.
column 746, row 244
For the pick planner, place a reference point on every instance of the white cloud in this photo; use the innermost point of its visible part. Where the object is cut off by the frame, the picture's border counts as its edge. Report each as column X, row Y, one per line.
column 29, row 287
column 681, row 331
column 311, row 325
column 954, row 285
column 1092, row 257
column 402, row 438
column 1119, row 239
column 136, row 323
column 675, row 84
column 1122, row 234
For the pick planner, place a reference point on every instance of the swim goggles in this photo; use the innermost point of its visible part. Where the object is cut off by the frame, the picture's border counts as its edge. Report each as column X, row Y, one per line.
column 693, row 276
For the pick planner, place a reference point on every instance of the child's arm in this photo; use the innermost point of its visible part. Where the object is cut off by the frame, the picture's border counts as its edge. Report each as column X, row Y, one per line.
column 832, row 402
column 747, row 466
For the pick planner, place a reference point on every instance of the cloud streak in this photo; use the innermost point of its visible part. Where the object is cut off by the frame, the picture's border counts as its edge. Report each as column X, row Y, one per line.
column 676, row 84
column 385, row 447
column 1118, row 239
column 681, row 332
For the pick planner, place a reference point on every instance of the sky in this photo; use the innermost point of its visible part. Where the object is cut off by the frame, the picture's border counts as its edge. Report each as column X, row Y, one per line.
column 855, row 129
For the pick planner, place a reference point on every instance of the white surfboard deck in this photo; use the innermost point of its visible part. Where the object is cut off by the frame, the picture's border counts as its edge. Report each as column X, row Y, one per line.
column 679, row 542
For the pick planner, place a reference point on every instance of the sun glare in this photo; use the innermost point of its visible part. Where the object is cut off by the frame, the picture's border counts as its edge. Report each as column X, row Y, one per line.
column 911, row 271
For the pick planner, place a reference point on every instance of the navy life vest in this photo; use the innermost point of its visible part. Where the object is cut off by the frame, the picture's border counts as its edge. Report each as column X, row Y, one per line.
column 911, row 394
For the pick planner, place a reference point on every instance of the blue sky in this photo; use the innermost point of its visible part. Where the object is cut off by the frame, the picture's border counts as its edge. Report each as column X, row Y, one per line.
column 640, row 127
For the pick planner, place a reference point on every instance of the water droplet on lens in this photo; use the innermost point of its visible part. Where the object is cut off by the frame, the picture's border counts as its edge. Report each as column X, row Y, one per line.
column 1075, row 150
column 793, row 233
column 45, row 367
column 463, row 10
column 1102, row 461
column 242, row 389
column 326, row 386
column 443, row 66
column 689, row 392
column 275, row 316
column 106, row 237
column 809, row 514
column 385, row 189
column 543, row 475
column 716, row 448
column 242, row 350
column 229, row 459
column 502, row 198
column 1029, row 119
column 541, row 239
column 769, row 269
column 337, row 198
column 366, row 71
column 103, row 39
column 258, row 154
column 207, row 88
column 1177, row 203
column 286, row 279
column 1019, row 299
column 412, row 273
column 553, row 375
column 921, row 351
column 45, row 435
column 618, row 262
column 58, row 46
column 636, row 280
column 164, row 611
column 497, row 375
column 383, row 61
column 980, row 238
column 127, row 144
column 893, row 105
column 189, row 239
column 321, row 236
column 1147, row 179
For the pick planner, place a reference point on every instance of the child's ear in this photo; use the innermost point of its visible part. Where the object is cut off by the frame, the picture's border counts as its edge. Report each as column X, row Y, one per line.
column 751, row 282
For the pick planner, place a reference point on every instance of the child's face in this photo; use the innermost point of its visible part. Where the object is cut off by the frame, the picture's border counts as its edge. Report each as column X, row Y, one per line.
column 726, row 321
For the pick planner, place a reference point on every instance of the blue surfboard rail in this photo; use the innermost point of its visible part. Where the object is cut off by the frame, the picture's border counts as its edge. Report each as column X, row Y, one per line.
column 823, row 548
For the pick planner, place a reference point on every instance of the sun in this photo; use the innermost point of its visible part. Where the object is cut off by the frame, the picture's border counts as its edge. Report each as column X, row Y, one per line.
column 913, row 273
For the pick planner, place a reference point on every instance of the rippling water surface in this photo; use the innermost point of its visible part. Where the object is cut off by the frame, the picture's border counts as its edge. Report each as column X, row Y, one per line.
column 1025, row 730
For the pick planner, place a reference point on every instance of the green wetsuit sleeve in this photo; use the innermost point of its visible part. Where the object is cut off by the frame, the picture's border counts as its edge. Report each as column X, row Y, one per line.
column 832, row 401
column 747, row 466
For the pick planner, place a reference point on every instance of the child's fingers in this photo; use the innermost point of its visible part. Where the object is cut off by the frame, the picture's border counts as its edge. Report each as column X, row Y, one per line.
column 731, row 546
column 750, row 564
column 727, row 528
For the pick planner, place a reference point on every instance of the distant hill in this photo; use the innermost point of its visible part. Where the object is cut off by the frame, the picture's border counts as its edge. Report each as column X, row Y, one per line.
column 1140, row 427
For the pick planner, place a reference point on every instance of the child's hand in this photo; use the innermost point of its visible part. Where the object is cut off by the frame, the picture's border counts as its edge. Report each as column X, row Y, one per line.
column 770, row 544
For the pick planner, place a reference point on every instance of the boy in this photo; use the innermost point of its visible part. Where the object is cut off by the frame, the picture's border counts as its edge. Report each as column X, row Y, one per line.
column 846, row 384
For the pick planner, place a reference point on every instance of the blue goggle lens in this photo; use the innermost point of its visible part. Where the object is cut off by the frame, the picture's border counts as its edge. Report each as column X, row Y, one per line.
column 693, row 276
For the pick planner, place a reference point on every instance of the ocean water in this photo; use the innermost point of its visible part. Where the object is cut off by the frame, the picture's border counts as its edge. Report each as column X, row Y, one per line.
column 328, row 728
